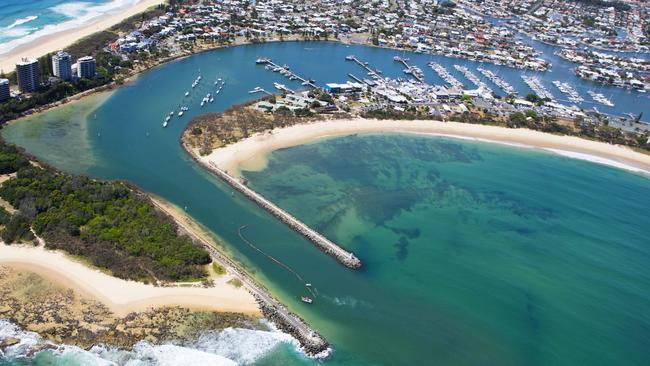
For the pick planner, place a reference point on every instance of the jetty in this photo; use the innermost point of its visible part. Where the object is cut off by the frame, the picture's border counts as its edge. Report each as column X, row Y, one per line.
column 346, row 258
column 414, row 71
column 445, row 75
column 372, row 73
column 473, row 78
column 312, row 343
column 285, row 70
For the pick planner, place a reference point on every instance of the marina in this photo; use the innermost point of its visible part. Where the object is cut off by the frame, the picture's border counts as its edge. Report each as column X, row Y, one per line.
column 445, row 75
column 474, row 79
column 352, row 306
column 413, row 71
column 569, row 91
column 285, row 71
column 600, row 98
column 498, row 81
column 536, row 86
column 373, row 73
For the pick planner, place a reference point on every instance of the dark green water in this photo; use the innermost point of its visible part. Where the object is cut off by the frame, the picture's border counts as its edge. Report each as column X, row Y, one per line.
column 474, row 253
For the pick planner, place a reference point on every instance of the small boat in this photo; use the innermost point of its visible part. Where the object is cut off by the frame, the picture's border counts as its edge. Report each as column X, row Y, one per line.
column 187, row 93
column 308, row 284
column 211, row 100
column 306, row 299
column 171, row 113
column 180, row 114
column 164, row 125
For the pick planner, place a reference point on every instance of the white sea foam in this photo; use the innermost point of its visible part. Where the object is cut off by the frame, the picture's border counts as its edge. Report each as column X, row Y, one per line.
column 81, row 13
column 231, row 346
column 244, row 346
column 170, row 355
column 598, row 160
column 27, row 339
column 24, row 20
column 16, row 32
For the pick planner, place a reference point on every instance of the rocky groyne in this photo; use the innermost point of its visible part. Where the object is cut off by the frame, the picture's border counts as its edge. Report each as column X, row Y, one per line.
column 312, row 343
column 346, row 258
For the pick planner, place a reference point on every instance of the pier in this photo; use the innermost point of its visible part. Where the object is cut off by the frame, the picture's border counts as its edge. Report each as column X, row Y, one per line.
column 373, row 73
column 343, row 256
column 411, row 70
column 312, row 343
column 473, row 78
column 284, row 70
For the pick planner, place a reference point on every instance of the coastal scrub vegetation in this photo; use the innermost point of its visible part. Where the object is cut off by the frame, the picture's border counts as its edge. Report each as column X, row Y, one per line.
column 109, row 223
column 213, row 130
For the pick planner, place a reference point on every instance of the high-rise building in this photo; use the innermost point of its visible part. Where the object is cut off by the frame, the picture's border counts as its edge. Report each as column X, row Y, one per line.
column 4, row 90
column 86, row 67
column 28, row 75
column 62, row 65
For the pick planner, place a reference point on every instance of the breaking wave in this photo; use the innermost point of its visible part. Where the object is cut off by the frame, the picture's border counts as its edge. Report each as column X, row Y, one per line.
column 79, row 14
column 231, row 346
column 20, row 21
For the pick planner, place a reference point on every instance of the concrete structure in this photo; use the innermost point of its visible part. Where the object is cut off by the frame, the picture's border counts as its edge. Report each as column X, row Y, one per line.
column 28, row 75
column 86, row 67
column 62, row 65
column 4, row 90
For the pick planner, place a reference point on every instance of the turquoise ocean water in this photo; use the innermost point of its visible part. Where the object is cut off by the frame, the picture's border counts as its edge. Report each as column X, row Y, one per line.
column 474, row 253
column 23, row 21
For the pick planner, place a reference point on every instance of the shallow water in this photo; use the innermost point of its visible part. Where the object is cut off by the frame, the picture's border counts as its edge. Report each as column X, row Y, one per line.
column 474, row 253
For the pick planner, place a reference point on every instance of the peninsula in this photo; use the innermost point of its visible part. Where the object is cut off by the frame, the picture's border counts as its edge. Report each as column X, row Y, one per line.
column 106, row 225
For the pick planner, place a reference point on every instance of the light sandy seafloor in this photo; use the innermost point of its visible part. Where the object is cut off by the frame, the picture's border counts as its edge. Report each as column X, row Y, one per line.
column 59, row 40
column 250, row 153
column 121, row 296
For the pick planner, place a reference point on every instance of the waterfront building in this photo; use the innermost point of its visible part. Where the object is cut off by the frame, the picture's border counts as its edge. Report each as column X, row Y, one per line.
column 86, row 67
column 62, row 65
column 28, row 75
column 4, row 90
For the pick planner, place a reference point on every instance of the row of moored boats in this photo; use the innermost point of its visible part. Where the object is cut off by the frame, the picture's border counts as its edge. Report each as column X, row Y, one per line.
column 208, row 98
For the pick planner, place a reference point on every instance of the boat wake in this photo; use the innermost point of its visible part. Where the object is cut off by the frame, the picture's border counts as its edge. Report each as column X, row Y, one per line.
column 231, row 346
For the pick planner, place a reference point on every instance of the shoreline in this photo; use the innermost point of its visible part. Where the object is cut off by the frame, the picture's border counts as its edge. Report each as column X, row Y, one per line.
column 312, row 343
column 40, row 46
column 123, row 297
column 251, row 153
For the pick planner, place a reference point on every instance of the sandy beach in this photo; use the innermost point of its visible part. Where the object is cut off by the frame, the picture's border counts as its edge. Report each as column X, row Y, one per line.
column 59, row 40
column 250, row 154
column 123, row 297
